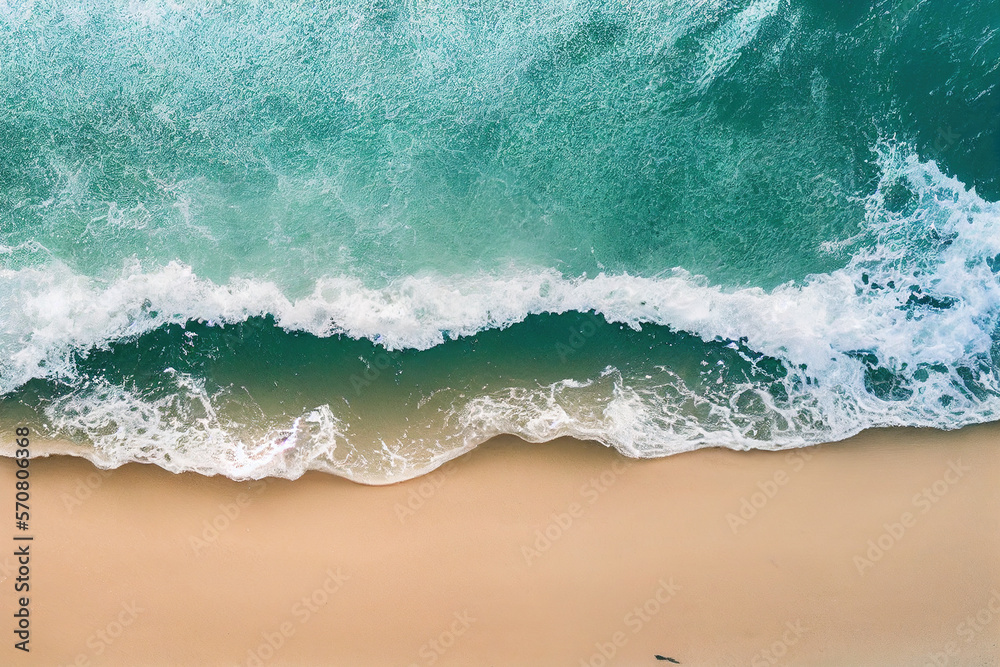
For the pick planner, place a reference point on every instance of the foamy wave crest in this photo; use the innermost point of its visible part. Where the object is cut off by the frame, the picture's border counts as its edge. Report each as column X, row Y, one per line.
column 904, row 334
column 185, row 431
column 188, row 428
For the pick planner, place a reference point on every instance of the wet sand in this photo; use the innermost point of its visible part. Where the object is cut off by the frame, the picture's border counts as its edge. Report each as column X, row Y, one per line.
column 881, row 550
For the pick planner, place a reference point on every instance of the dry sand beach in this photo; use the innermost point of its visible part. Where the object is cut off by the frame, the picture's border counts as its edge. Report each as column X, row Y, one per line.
column 881, row 550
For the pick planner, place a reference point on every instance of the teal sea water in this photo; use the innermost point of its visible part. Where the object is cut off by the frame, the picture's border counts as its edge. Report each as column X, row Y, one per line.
column 363, row 237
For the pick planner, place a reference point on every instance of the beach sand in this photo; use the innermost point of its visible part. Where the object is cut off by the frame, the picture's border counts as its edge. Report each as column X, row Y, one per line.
column 880, row 550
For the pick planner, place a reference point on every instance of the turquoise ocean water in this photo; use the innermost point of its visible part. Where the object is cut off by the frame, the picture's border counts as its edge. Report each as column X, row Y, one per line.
column 363, row 237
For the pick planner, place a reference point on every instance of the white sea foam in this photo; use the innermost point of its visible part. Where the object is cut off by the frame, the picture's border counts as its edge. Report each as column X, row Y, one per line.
column 919, row 299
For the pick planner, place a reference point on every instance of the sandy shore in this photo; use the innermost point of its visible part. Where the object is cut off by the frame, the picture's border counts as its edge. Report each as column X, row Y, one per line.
column 882, row 550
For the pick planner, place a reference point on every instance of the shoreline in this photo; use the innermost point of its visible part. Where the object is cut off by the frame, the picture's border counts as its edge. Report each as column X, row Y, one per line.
column 873, row 550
